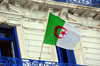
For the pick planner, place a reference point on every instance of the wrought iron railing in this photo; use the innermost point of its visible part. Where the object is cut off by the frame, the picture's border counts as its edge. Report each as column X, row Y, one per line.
column 91, row 3
column 10, row 61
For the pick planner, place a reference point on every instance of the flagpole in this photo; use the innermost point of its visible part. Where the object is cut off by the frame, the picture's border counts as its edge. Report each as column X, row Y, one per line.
column 44, row 34
column 82, row 50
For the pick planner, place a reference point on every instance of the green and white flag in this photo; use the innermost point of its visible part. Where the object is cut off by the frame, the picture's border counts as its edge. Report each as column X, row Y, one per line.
column 61, row 33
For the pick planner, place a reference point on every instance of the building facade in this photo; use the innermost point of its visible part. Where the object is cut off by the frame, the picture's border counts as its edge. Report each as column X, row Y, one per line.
column 23, row 25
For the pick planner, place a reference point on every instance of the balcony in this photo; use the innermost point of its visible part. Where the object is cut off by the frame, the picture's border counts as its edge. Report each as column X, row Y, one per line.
column 9, row 61
column 91, row 3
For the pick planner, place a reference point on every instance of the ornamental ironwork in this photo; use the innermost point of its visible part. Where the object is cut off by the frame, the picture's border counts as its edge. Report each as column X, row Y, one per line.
column 10, row 61
column 92, row 3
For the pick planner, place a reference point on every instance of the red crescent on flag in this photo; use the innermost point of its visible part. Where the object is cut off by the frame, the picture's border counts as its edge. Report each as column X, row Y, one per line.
column 55, row 31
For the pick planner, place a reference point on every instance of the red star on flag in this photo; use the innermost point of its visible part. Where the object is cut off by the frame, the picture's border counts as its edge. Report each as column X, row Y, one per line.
column 63, row 33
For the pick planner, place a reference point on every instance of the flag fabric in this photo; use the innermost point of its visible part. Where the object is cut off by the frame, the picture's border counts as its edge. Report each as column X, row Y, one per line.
column 61, row 33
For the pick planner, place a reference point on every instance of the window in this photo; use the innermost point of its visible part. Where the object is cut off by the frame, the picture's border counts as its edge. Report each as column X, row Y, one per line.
column 66, row 56
column 9, row 46
column 6, row 48
column 4, row 34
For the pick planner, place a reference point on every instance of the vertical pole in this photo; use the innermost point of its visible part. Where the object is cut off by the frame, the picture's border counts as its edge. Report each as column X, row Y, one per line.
column 44, row 34
column 82, row 51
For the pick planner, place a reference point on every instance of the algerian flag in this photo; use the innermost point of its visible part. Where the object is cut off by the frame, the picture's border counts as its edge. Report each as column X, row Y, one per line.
column 61, row 33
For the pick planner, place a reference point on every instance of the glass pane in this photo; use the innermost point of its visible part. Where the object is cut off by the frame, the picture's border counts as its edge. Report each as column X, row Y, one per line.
column 4, row 34
column 6, row 48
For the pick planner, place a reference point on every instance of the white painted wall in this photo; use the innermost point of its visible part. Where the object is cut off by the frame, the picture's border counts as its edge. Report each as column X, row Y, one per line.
column 87, row 50
column 34, row 35
column 31, row 34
